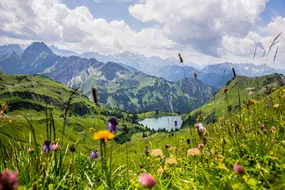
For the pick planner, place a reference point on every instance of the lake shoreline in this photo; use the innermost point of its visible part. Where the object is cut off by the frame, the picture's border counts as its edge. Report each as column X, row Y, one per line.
column 154, row 114
column 168, row 123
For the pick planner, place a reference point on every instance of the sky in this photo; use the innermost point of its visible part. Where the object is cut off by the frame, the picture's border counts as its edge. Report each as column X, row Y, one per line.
column 203, row 31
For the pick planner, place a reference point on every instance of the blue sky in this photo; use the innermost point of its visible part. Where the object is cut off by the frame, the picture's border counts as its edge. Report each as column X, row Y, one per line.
column 118, row 10
column 204, row 32
column 111, row 10
column 273, row 8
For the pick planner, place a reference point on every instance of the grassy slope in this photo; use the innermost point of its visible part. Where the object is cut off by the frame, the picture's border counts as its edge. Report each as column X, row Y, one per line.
column 254, row 147
column 36, row 92
column 262, row 155
column 261, row 86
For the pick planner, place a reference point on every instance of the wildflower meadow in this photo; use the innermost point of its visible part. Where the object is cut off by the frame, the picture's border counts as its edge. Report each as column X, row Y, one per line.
column 242, row 151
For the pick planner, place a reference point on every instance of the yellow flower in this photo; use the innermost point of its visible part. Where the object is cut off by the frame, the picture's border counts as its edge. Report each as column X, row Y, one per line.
column 104, row 134
column 194, row 152
column 221, row 166
column 135, row 183
column 222, row 119
column 252, row 101
column 276, row 106
column 236, row 186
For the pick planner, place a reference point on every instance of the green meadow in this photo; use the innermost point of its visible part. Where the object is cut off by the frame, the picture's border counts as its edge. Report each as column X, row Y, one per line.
column 250, row 135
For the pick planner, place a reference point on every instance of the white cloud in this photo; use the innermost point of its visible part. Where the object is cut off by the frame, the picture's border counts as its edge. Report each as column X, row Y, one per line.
column 201, row 23
column 261, row 39
column 196, row 28
column 240, row 45
column 52, row 22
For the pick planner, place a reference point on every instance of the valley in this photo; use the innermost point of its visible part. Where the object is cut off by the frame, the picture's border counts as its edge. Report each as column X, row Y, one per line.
column 142, row 94
column 119, row 86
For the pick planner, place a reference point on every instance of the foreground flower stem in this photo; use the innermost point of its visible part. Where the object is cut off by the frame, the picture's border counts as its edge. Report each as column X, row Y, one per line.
column 127, row 161
column 99, row 114
column 239, row 102
column 105, row 163
column 102, row 156
column 110, row 172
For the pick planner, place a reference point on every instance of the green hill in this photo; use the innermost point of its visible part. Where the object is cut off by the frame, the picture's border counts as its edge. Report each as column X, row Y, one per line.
column 223, row 104
column 254, row 140
column 31, row 96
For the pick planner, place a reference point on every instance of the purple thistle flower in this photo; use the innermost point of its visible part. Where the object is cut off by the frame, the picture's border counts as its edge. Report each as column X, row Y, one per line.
column 147, row 181
column 212, row 116
column 8, row 180
column 94, row 154
column 55, row 147
column 46, row 147
column 112, row 125
column 238, row 169
column 267, row 105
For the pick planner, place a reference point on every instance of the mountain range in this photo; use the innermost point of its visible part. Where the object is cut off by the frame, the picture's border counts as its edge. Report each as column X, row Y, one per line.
column 118, row 85
column 215, row 75
column 7, row 49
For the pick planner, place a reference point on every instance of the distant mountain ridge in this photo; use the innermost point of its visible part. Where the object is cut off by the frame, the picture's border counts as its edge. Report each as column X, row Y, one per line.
column 118, row 84
column 147, row 65
column 215, row 75
column 7, row 49
column 60, row 52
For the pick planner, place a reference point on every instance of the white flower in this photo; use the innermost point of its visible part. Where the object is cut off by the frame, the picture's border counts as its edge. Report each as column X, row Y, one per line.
column 201, row 128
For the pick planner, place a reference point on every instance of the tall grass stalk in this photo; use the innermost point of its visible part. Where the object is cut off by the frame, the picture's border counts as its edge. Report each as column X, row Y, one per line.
column 274, row 42
column 4, row 154
column 66, row 111
column 188, row 88
column 274, row 59
column 34, row 135
column 239, row 103
column 52, row 125
column 47, row 123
